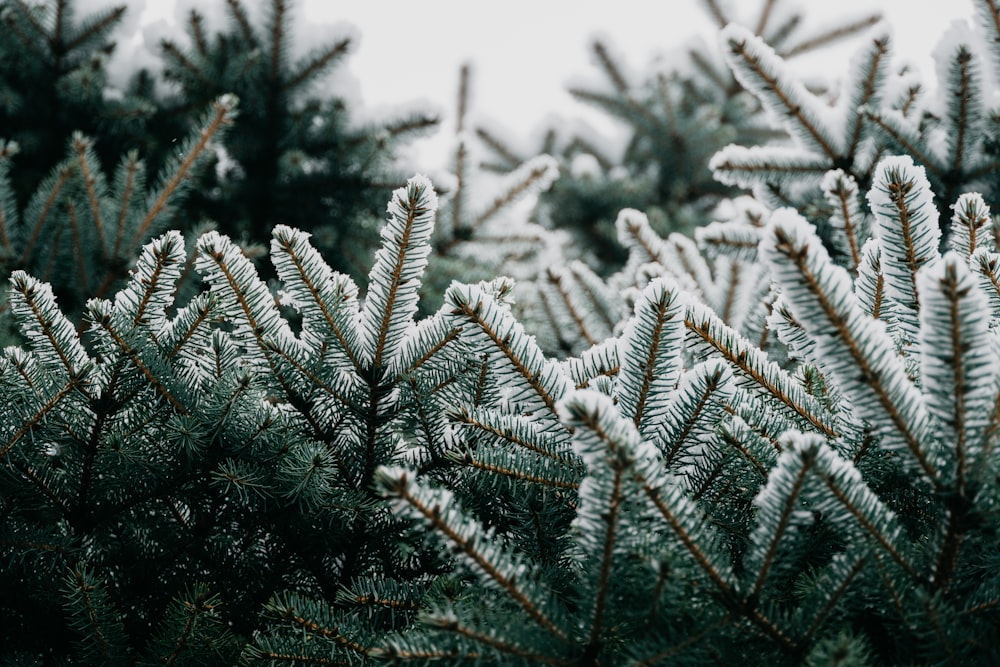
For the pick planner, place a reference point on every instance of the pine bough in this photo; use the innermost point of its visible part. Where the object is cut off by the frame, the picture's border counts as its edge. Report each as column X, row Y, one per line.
column 315, row 477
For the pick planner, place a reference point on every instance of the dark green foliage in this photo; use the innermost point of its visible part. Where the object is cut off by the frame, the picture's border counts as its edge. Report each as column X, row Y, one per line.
column 53, row 75
column 80, row 230
column 297, row 156
column 732, row 450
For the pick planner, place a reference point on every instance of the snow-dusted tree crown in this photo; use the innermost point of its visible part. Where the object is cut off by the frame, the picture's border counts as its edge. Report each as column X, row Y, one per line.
column 774, row 442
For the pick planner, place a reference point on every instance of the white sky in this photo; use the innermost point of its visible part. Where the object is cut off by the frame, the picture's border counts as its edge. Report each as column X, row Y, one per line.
column 526, row 51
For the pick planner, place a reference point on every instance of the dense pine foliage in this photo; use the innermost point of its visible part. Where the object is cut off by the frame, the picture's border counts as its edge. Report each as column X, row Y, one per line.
column 773, row 440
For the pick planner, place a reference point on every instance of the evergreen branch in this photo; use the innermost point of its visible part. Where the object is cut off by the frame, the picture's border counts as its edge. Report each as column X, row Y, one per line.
column 947, row 556
column 384, row 602
column 78, row 251
column 635, row 234
column 865, row 520
column 223, row 112
column 201, row 605
column 907, row 229
column 783, row 30
column 612, row 519
column 758, row 68
column 833, row 599
column 554, row 278
column 957, row 359
column 83, row 148
column 27, row 425
column 395, row 277
column 649, row 351
column 582, row 145
column 85, row 591
column 602, row 300
column 311, row 272
column 841, row 192
column 14, row 26
column 535, row 174
column 275, row 657
column 416, row 123
column 46, row 490
column 203, row 308
column 51, row 548
column 508, row 341
column 746, row 167
column 737, row 444
column 988, row 13
column 961, row 120
column 831, row 36
column 674, row 509
column 174, row 53
column 708, row 70
column 196, row 24
column 610, row 67
column 870, row 283
column 316, row 64
column 514, row 429
column 513, row 473
column 94, row 28
column 100, row 317
column 690, row 408
column 715, row 10
column 677, row 648
column 491, row 640
column 462, row 100
column 628, row 108
column 898, row 129
column 776, row 505
column 227, row 267
column 466, row 538
column 608, row 442
column 239, row 15
column 54, row 190
column 59, row 23
column 752, row 362
column 499, row 147
column 29, row 14
column 51, row 331
column 971, row 226
column 912, row 95
column 432, row 352
column 310, row 625
column 7, row 219
column 862, row 357
column 132, row 169
column 148, row 293
column 867, row 75
column 766, row 12
column 981, row 607
column 306, row 373
column 278, row 27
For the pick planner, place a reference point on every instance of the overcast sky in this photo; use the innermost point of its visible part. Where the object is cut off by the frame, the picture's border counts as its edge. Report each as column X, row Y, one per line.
column 526, row 51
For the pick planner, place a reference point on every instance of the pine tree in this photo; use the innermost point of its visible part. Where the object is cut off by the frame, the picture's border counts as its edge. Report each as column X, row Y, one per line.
column 774, row 443
column 676, row 118
column 374, row 488
column 81, row 230
column 881, row 111
column 297, row 156
column 486, row 227
column 54, row 81
column 77, row 150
